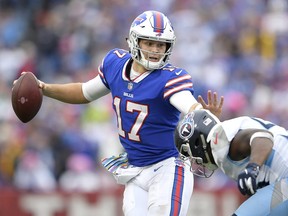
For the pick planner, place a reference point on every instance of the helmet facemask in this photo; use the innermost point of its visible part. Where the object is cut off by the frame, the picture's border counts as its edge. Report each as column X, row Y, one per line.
column 199, row 167
column 151, row 65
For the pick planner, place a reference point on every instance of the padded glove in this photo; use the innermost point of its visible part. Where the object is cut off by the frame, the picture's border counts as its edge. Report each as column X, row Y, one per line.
column 247, row 179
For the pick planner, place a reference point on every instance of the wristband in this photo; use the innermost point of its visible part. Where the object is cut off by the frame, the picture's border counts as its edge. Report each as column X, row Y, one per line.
column 198, row 107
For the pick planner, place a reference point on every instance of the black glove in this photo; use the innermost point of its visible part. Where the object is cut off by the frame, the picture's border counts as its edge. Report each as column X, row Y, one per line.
column 247, row 179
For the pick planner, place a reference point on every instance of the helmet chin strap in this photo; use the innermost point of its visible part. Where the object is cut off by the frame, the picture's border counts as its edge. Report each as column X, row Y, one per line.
column 149, row 65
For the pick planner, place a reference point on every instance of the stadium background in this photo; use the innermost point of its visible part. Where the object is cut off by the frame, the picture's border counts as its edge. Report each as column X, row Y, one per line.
column 50, row 166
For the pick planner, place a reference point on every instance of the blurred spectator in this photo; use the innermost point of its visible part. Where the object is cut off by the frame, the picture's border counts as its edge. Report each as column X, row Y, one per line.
column 236, row 103
column 33, row 174
column 274, row 20
column 81, row 175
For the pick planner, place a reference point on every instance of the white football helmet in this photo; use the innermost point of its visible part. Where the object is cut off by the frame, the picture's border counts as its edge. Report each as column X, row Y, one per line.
column 151, row 25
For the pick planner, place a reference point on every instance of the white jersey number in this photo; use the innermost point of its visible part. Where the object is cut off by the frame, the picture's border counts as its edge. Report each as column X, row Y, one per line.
column 131, row 107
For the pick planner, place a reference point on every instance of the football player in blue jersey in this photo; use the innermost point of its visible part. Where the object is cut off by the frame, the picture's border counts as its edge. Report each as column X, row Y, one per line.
column 252, row 151
column 149, row 94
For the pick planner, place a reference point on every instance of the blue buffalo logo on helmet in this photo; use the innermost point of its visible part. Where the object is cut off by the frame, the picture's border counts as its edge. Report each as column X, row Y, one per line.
column 186, row 127
column 140, row 19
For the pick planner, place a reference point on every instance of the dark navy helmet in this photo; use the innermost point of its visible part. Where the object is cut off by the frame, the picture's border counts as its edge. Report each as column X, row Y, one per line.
column 191, row 140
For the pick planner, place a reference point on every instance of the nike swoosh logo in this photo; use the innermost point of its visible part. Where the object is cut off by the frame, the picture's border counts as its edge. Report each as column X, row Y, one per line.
column 156, row 169
column 216, row 139
column 179, row 72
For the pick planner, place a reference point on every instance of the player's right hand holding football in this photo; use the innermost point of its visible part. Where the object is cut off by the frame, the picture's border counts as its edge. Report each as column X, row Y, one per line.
column 26, row 96
column 41, row 84
column 247, row 179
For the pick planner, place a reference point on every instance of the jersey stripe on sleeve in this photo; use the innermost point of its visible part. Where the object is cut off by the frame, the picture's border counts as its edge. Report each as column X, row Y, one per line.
column 177, row 84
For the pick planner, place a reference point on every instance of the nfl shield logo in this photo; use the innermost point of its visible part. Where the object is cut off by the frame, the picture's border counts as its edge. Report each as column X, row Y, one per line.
column 130, row 85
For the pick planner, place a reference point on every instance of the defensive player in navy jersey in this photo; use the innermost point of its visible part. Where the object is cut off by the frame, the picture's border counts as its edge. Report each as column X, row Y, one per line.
column 149, row 94
column 252, row 151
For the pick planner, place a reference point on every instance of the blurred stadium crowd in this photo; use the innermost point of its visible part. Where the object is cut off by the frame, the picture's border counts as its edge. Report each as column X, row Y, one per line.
column 237, row 48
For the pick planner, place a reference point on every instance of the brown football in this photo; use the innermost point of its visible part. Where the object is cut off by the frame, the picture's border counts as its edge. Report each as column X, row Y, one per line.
column 26, row 97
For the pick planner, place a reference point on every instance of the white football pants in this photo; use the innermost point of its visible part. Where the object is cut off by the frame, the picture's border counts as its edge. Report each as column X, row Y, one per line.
column 162, row 189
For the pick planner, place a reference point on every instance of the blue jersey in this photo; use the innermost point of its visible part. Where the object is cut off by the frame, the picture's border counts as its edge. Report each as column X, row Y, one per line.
column 146, row 119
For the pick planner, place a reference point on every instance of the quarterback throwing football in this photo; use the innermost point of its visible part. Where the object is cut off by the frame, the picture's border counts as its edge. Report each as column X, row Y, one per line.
column 148, row 96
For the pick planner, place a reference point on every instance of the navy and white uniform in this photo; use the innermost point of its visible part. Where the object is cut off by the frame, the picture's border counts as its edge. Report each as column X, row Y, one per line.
column 274, row 172
column 146, row 123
